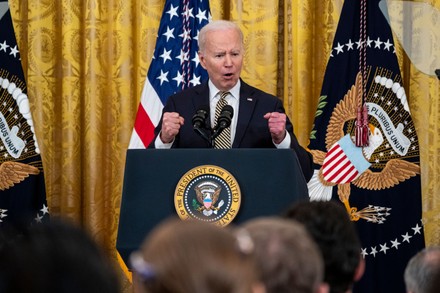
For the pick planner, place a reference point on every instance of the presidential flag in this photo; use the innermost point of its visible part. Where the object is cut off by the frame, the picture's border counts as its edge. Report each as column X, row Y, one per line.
column 365, row 146
column 22, row 188
column 175, row 65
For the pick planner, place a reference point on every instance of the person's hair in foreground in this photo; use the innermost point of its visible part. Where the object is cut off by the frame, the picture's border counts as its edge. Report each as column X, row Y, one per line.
column 287, row 258
column 193, row 256
column 55, row 256
column 329, row 225
column 422, row 273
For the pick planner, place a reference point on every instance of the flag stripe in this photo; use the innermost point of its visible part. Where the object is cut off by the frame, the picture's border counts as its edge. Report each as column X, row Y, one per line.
column 332, row 163
column 350, row 176
column 345, row 174
column 144, row 128
column 339, row 169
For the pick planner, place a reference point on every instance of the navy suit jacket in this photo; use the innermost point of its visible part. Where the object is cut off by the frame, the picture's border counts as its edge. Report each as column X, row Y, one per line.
column 252, row 128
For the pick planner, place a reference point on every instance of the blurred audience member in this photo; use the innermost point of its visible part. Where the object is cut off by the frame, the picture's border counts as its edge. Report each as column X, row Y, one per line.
column 54, row 257
column 422, row 274
column 194, row 256
column 329, row 225
column 287, row 258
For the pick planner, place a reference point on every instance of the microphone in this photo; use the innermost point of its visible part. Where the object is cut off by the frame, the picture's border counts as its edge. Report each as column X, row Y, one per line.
column 199, row 118
column 225, row 117
column 223, row 120
column 199, row 124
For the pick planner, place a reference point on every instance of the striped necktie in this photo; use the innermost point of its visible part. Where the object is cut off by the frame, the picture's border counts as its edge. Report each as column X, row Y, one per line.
column 223, row 141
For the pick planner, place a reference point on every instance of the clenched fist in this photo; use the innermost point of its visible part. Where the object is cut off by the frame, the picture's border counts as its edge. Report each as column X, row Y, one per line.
column 171, row 123
column 277, row 126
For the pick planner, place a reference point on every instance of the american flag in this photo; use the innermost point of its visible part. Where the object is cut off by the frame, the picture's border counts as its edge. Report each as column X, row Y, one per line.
column 175, row 65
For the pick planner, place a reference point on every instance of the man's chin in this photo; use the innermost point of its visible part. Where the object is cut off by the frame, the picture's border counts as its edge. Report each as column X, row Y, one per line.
column 229, row 83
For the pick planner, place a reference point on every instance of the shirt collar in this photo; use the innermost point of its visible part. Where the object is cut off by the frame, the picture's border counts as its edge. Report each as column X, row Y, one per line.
column 213, row 90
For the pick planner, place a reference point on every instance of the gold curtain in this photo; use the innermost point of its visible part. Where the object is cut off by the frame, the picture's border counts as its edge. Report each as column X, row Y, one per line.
column 86, row 61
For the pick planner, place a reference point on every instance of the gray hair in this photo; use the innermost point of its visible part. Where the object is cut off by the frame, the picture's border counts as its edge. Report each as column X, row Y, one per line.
column 422, row 274
column 285, row 254
column 217, row 25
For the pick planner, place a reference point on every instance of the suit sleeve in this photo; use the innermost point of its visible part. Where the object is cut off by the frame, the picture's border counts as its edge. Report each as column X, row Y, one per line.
column 305, row 158
column 169, row 107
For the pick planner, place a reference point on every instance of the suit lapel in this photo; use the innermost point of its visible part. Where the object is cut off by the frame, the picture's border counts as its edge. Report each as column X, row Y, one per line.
column 246, row 108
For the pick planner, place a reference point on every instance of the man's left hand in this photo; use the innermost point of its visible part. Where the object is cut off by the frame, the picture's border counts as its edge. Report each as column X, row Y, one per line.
column 277, row 126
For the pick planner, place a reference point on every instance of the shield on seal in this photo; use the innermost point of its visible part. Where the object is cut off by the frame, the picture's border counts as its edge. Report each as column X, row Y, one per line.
column 207, row 202
column 344, row 162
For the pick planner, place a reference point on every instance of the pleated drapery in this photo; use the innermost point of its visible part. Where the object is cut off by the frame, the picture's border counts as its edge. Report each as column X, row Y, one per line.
column 85, row 62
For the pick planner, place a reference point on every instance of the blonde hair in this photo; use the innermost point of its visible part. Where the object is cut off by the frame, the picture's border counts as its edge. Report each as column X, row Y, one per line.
column 195, row 256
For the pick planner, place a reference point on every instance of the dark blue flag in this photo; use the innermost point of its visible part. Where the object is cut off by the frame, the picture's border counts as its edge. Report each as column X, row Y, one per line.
column 22, row 188
column 375, row 176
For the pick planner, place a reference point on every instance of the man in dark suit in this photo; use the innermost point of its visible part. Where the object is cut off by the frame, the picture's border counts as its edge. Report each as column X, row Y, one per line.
column 259, row 120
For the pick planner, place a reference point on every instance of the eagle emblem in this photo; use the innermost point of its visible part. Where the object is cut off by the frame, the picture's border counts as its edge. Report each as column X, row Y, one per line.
column 344, row 164
column 207, row 194
column 12, row 173
column 17, row 137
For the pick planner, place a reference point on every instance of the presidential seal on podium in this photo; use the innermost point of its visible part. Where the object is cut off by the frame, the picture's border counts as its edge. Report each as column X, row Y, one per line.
column 208, row 193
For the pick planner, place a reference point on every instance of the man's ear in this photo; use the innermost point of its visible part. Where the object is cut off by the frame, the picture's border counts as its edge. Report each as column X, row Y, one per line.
column 360, row 269
column 201, row 59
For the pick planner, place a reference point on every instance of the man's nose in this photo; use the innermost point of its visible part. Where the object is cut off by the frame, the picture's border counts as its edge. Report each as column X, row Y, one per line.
column 228, row 60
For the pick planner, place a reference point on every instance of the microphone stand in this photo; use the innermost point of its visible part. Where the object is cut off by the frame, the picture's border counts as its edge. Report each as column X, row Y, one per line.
column 209, row 134
column 202, row 133
column 206, row 136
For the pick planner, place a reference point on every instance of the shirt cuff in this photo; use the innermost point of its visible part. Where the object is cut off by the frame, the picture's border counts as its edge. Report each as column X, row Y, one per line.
column 159, row 144
column 285, row 144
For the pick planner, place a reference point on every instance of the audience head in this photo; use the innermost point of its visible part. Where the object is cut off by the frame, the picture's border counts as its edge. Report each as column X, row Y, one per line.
column 422, row 274
column 56, row 256
column 329, row 225
column 221, row 53
column 287, row 258
column 193, row 256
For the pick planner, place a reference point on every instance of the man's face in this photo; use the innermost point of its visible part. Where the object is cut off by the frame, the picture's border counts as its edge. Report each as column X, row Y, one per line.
column 223, row 58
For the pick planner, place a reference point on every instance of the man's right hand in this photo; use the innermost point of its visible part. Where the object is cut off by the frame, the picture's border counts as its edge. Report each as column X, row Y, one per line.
column 171, row 123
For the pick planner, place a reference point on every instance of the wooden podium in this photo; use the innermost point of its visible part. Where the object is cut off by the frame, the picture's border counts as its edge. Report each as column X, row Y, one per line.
column 269, row 180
